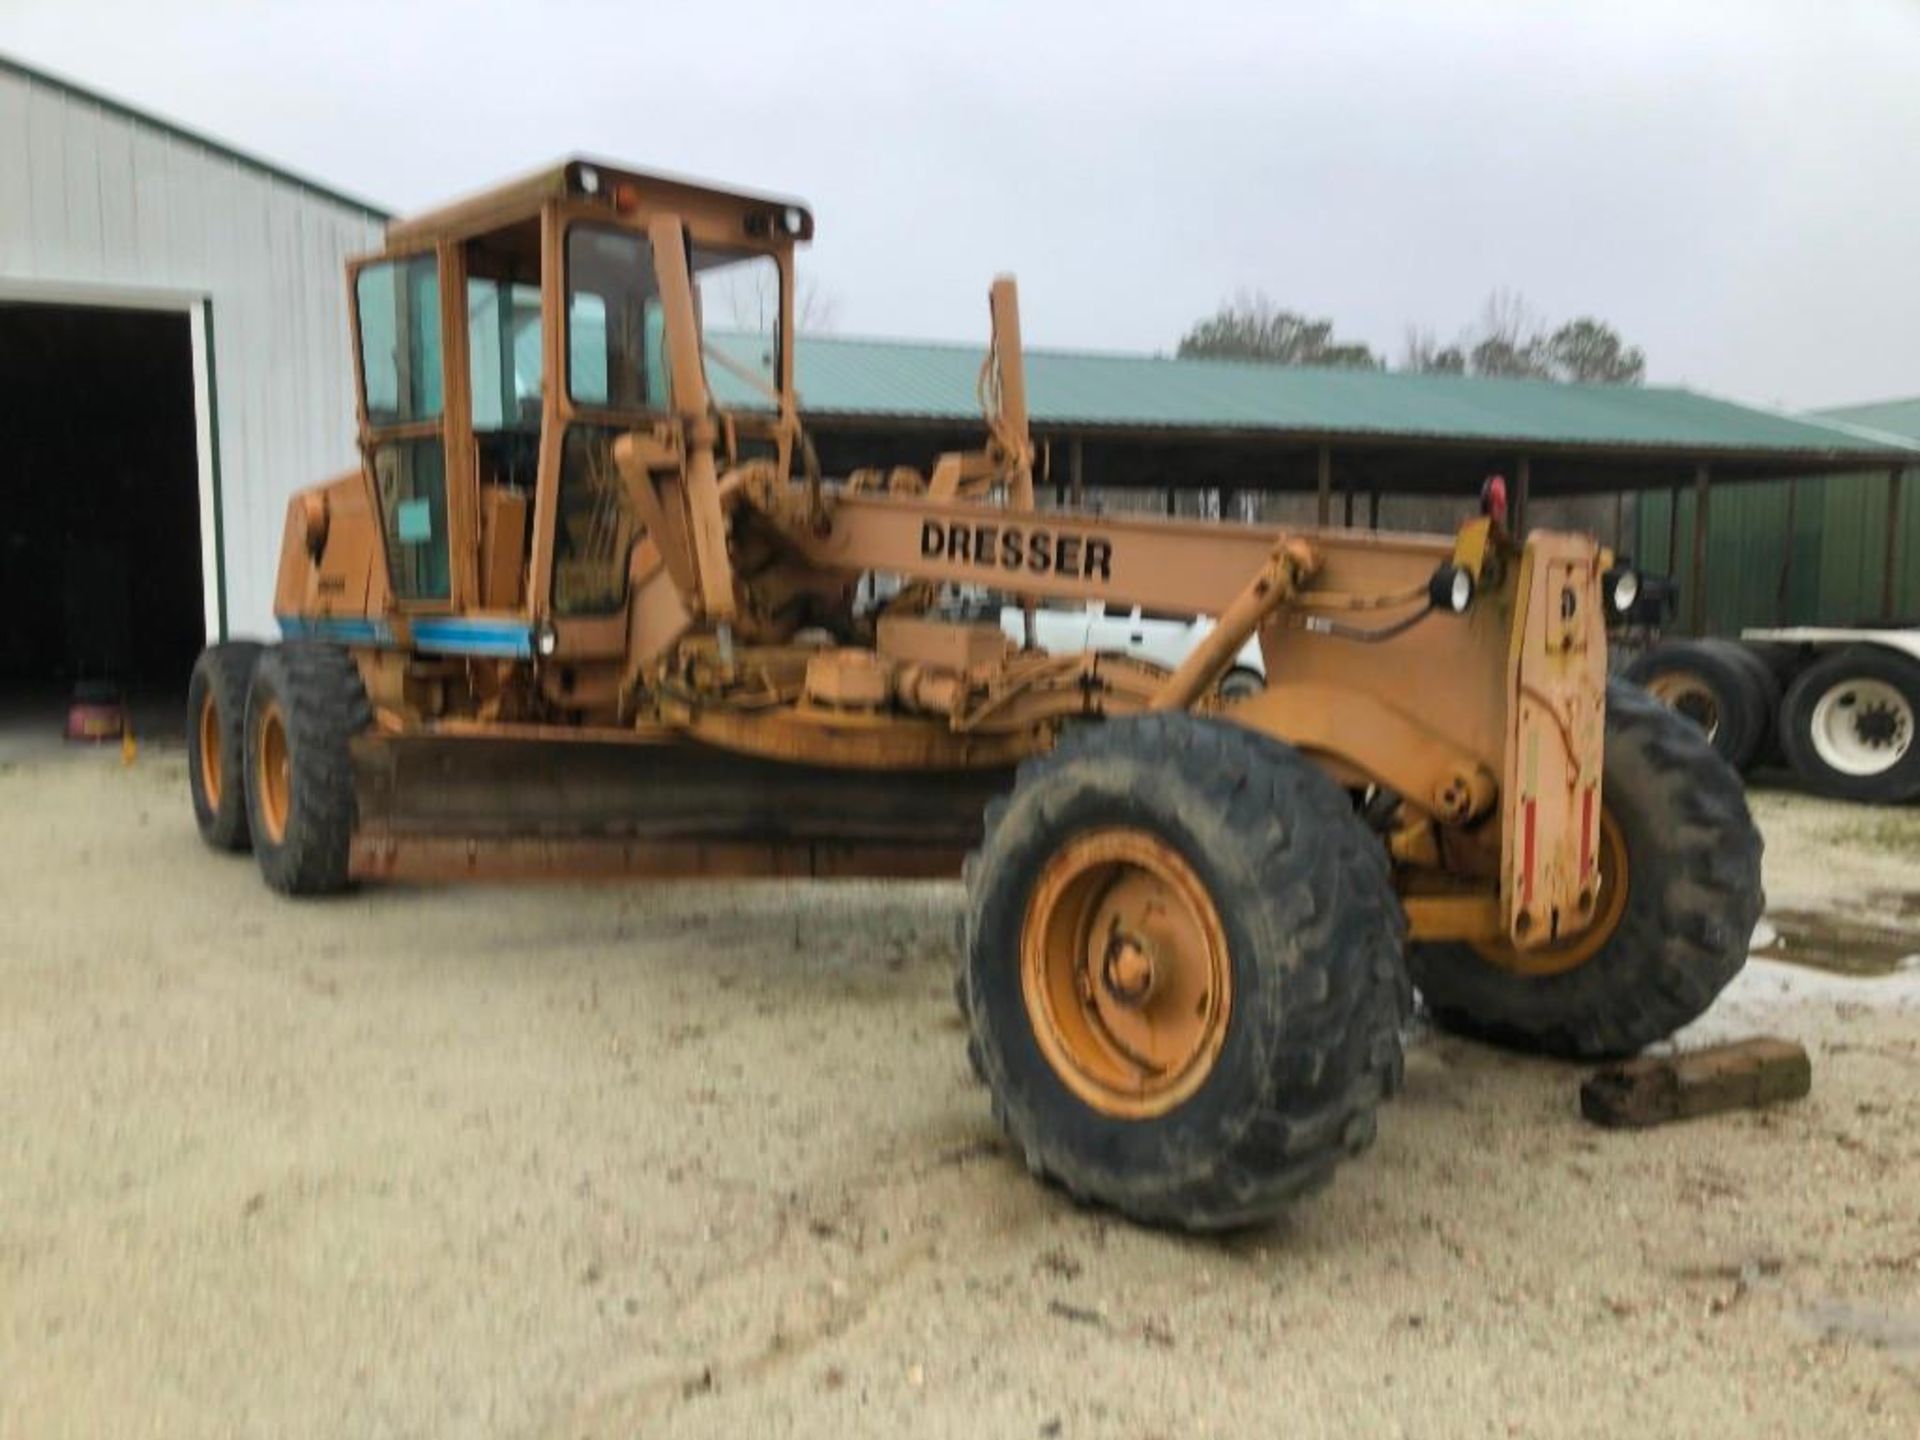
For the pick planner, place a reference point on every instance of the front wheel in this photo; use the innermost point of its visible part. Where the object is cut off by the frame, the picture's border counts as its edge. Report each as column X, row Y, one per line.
column 1679, row 897
column 305, row 707
column 1182, row 971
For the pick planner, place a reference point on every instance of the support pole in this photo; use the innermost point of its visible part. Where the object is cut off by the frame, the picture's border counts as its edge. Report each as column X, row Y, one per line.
column 1522, row 493
column 1373, row 509
column 1077, row 474
column 1697, row 586
column 1323, row 481
column 1783, row 597
column 1673, row 533
column 1890, row 576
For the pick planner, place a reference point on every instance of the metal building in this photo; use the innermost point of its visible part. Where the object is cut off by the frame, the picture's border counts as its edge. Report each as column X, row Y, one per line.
column 173, row 364
column 1808, row 550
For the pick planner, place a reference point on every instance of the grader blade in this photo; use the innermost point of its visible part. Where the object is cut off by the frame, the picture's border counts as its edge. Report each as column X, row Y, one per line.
column 433, row 807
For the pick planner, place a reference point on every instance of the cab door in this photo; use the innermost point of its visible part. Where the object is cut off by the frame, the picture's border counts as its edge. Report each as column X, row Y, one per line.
column 607, row 375
column 403, row 420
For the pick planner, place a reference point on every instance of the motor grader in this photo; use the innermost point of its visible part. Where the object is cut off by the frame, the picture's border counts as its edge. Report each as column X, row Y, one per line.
column 588, row 605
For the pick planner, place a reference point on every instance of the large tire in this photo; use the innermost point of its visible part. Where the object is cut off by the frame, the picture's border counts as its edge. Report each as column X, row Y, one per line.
column 1850, row 725
column 1764, row 692
column 216, row 745
column 1307, row 951
column 1677, row 820
column 1717, row 686
column 305, row 706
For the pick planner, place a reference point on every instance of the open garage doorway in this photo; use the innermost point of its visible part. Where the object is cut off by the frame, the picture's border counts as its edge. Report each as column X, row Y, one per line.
column 100, row 503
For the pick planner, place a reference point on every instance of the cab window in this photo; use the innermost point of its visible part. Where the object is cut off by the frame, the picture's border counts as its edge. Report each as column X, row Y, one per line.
column 399, row 305
column 503, row 350
column 616, row 329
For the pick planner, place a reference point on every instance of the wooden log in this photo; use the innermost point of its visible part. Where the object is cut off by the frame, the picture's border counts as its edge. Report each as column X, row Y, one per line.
column 1655, row 1089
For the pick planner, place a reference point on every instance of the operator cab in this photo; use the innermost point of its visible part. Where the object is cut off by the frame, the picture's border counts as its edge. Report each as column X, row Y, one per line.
column 505, row 341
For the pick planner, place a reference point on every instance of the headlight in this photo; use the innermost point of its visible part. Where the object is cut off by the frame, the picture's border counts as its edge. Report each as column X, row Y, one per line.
column 1451, row 589
column 546, row 639
column 1622, row 587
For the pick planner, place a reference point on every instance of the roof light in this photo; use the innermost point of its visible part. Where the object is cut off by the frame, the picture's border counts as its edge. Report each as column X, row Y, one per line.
column 589, row 180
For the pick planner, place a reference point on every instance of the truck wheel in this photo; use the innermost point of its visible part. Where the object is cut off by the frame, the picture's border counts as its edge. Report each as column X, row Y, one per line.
column 1183, row 974
column 1716, row 687
column 1680, row 895
column 216, row 721
column 1849, row 725
column 305, row 706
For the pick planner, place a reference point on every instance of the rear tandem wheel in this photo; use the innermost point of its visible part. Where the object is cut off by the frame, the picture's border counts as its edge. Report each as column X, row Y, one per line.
column 306, row 705
column 216, row 722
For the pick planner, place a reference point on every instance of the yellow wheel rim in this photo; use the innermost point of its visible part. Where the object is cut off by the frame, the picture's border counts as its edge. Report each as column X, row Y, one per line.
column 273, row 774
column 1560, row 956
column 207, row 733
column 1124, row 971
column 1689, row 696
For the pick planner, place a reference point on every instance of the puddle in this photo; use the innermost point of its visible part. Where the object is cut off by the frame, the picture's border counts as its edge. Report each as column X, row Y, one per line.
column 1837, row 945
column 1899, row 904
column 1895, row 1332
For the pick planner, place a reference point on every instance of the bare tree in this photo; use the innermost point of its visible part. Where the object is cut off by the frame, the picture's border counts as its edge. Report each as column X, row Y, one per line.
column 816, row 310
column 751, row 295
column 1512, row 339
column 1422, row 354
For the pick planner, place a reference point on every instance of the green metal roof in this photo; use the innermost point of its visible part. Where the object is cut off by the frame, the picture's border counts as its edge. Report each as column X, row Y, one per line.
column 918, row 381
column 1898, row 418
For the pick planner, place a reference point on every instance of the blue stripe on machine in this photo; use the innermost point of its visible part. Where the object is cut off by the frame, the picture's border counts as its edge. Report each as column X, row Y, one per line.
column 442, row 635
column 342, row 629
column 473, row 637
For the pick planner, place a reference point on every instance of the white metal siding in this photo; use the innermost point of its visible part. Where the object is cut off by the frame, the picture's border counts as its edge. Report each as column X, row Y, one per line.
column 92, row 197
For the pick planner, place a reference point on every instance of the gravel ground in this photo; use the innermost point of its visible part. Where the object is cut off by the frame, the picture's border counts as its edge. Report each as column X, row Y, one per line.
column 706, row 1160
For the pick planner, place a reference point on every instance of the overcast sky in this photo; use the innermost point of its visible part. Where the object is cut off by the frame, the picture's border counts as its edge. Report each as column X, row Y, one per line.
column 1733, row 185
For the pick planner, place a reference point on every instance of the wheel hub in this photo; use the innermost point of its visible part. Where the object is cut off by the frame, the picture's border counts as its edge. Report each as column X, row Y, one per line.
column 1689, row 696
column 1861, row 727
column 1125, row 973
column 1128, row 970
column 1557, row 957
column 208, row 732
column 1878, row 726
column 273, row 773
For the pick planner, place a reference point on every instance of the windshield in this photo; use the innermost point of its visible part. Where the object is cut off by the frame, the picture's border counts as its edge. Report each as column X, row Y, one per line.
column 740, row 320
column 616, row 327
column 616, row 330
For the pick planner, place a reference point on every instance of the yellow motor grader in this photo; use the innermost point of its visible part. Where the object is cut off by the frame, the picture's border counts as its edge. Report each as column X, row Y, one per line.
column 588, row 605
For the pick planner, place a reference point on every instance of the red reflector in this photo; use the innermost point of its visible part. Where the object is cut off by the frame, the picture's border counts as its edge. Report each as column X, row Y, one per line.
column 1526, row 853
column 1586, row 831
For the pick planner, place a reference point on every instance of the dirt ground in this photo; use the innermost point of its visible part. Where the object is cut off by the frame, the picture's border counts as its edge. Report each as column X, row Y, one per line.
column 685, row 1160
